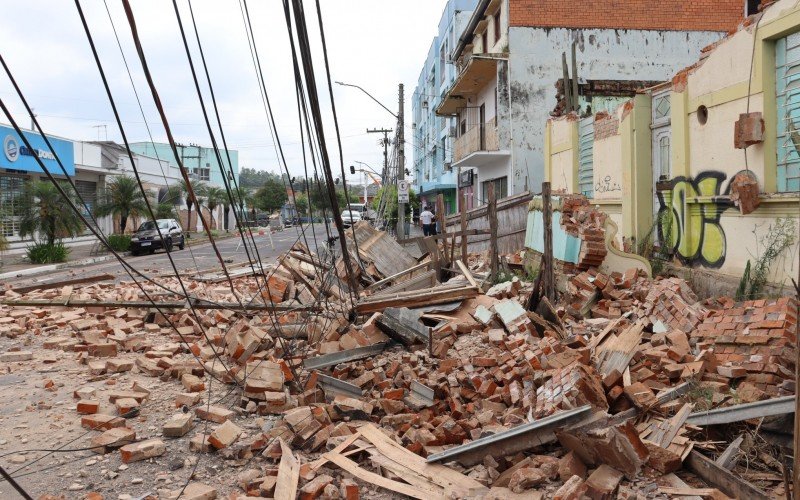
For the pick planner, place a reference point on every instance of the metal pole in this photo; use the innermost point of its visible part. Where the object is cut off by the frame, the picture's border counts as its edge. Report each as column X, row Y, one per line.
column 401, row 165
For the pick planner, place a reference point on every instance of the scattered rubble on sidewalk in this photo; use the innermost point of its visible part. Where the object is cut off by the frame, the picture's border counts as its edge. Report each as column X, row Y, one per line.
column 421, row 388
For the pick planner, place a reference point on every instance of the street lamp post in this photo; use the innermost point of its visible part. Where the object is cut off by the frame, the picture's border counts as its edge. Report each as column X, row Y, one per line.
column 401, row 156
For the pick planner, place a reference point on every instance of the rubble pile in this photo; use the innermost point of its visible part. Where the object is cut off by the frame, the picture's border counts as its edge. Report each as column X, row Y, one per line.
column 429, row 387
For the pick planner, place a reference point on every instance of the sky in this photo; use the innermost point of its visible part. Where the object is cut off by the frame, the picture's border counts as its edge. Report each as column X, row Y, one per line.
column 375, row 44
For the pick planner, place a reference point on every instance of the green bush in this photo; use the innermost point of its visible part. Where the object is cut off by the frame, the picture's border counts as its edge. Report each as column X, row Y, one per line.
column 119, row 242
column 43, row 253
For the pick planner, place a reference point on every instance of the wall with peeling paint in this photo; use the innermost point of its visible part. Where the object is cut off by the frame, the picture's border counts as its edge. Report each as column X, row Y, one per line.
column 535, row 66
column 692, row 212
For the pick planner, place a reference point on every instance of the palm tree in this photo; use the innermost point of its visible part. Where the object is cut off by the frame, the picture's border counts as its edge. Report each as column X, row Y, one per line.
column 215, row 196
column 198, row 188
column 45, row 213
column 122, row 197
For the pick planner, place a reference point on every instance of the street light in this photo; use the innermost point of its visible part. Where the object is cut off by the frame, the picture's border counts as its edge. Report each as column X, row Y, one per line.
column 370, row 96
column 366, row 173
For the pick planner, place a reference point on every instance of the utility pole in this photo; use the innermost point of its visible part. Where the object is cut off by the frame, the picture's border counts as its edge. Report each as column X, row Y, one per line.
column 401, row 166
column 385, row 132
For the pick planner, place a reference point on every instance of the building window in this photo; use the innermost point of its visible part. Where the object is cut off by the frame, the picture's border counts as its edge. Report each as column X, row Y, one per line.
column 12, row 192
column 203, row 174
column 500, row 189
column 787, row 63
column 88, row 192
column 497, row 24
column 585, row 157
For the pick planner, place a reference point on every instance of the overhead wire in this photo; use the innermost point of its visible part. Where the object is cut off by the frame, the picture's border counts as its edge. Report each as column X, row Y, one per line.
column 100, row 69
column 93, row 227
column 141, row 110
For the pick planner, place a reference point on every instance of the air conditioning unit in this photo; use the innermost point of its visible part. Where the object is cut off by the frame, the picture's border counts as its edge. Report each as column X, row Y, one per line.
column 448, row 166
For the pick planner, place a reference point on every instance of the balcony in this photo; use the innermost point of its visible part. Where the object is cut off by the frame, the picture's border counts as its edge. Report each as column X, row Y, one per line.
column 477, row 71
column 479, row 137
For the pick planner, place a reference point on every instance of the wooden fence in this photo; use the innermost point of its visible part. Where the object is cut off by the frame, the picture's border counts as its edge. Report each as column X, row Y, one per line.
column 512, row 220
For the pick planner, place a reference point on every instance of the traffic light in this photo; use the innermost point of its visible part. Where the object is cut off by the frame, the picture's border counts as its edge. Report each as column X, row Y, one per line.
column 352, row 169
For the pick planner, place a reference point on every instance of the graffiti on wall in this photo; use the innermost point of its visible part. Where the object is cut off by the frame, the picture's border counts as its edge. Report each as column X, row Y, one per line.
column 689, row 218
column 606, row 185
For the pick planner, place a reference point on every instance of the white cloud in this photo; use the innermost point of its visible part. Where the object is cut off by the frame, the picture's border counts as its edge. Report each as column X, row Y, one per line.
column 373, row 43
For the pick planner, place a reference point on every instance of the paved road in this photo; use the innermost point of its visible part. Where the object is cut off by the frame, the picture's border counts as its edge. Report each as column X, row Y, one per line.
column 199, row 256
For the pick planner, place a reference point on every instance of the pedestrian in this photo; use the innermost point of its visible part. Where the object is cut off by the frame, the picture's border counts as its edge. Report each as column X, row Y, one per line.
column 426, row 219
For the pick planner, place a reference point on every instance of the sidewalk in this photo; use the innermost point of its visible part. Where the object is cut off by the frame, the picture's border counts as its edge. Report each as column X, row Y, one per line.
column 15, row 265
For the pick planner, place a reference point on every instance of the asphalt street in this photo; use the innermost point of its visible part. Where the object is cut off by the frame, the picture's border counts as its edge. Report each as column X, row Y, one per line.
column 193, row 257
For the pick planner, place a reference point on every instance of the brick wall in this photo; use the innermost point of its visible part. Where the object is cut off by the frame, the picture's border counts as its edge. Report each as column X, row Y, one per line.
column 676, row 15
column 605, row 125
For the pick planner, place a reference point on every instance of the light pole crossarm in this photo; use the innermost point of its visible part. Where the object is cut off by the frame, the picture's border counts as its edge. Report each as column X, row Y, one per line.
column 370, row 96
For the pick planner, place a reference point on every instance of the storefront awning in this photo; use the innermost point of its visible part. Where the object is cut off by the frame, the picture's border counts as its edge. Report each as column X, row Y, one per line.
column 434, row 187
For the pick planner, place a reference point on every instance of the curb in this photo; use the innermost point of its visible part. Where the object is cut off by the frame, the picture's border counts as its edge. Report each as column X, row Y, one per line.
column 54, row 267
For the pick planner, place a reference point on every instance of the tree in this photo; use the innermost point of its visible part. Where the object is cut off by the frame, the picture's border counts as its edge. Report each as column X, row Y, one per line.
column 390, row 209
column 45, row 213
column 121, row 197
column 301, row 204
column 271, row 196
column 165, row 211
column 215, row 196
column 252, row 178
column 321, row 201
column 199, row 189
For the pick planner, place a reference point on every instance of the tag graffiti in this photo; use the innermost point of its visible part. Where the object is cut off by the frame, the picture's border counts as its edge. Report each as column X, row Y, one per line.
column 689, row 219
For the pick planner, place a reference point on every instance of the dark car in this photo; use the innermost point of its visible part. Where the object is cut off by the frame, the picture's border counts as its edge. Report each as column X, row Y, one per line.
column 146, row 239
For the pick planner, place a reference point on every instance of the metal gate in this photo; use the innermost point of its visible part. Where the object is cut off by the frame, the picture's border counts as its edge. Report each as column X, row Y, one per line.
column 585, row 160
column 787, row 59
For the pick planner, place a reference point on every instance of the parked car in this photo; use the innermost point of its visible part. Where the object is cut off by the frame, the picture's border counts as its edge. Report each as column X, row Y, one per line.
column 146, row 238
column 350, row 217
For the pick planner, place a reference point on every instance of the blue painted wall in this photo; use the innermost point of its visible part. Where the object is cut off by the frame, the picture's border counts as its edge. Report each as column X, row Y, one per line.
column 566, row 247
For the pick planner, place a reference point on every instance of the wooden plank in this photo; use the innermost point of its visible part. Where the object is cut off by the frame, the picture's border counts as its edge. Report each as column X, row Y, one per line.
column 436, row 473
column 463, row 227
column 491, row 214
column 288, row 474
column 370, row 477
column 57, row 284
column 436, row 295
column 316, row 464
column 676, row 482
column 418, row 282
column 729, row 483
column 728, row 458
column 467, row 274
column 549, row 279
column 440, row 213
column 389, row 279
column 146, row 304
column 687, row 491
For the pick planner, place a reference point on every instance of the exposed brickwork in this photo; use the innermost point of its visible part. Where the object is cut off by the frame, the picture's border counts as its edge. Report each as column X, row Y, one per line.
column 605, row 125
column 673, row 15
column 757, row 335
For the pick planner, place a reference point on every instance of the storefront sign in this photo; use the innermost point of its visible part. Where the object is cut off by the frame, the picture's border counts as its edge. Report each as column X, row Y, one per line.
column 465, row 178
column 17, row 156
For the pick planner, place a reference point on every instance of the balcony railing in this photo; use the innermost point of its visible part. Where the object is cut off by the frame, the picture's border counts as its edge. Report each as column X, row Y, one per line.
column 480, row 137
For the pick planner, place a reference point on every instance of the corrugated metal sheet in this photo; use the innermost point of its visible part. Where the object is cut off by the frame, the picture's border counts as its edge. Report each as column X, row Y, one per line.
column 585, row 161
column 787, row 58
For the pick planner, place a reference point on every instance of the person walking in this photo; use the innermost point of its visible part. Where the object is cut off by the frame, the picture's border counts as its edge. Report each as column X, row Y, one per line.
column 426, row 219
